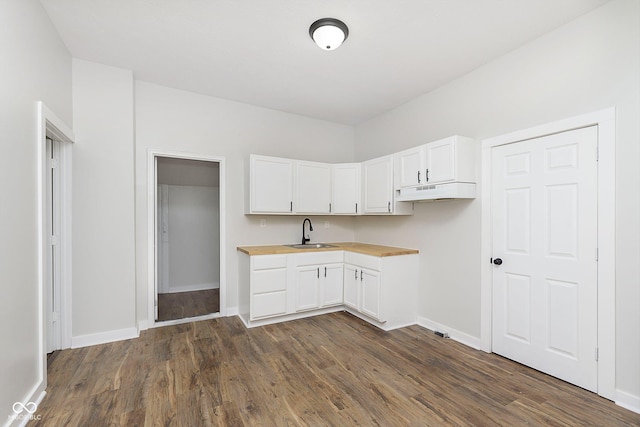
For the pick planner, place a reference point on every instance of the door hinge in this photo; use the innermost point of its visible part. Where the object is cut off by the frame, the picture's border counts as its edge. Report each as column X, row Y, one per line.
column 597, row 255
column 53, row 163
column 597, row 354
column 597, row 153
column 53, row 240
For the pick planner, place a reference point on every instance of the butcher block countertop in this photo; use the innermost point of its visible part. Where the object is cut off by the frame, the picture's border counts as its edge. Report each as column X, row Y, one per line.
column 362, row 248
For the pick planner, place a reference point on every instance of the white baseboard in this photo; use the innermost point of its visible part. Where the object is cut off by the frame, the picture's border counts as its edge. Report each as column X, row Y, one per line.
column 35, row 396
column 231, row 311
column 191, row 288
column 628, row 401
column 461, row 337
column 104, row 337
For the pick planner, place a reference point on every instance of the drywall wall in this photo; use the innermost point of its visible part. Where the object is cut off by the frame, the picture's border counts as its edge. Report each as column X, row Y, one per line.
column 188, row 172
column 103, row 202
column 587, row 65
column 191, row 231
column 28, row 44
column 183, row 122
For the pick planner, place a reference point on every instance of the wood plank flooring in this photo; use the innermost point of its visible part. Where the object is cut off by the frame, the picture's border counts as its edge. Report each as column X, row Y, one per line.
column 330, row 370
column 181, row 305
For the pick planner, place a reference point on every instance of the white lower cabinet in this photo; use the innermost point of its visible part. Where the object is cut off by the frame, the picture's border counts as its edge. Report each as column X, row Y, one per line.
column 268, row 286
column 380, row 290
column 362, row 289
column 318, row 280
column 371, row 294
column 331, row 289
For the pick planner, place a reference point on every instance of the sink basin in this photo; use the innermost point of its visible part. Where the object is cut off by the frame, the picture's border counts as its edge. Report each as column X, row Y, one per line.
column 311, row 246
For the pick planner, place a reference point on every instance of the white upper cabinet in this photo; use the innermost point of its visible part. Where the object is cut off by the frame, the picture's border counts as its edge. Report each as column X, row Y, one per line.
column 346, row 189
column 271, row 185
column 377, row 186
column 410, row 168
column 378, row 190
column 313, row 189
column 447, row 160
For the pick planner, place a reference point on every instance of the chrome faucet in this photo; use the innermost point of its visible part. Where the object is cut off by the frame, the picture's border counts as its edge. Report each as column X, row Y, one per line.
column 306, row 239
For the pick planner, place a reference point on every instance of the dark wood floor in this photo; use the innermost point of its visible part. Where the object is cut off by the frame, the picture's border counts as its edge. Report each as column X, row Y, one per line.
column 188, row 304
column 330, row 370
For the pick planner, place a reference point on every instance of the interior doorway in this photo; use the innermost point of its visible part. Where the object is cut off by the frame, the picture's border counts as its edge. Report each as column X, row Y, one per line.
column 55, row 140
column 188, row 236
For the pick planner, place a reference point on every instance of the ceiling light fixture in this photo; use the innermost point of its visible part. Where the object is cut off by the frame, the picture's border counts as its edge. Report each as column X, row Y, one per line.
column 328, row 33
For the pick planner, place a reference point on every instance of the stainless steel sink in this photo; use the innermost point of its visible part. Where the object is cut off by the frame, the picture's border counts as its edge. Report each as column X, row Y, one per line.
column 311, row 246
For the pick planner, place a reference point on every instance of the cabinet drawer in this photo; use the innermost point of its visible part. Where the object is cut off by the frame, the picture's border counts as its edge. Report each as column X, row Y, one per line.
column 366, row 261
column 261, row 262
column 268, row 304
column 316, row 258
column 268, row 280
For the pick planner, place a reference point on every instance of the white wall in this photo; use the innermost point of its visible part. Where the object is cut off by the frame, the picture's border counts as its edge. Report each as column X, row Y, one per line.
column 193, row 238
column 29, row 45
column 103, row 201
column 584, row 66
column 178, row 121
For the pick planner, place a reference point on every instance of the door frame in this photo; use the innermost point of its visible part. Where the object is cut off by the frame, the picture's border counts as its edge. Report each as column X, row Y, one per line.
column 605, row 120
column 152, row 277
column 50, row 125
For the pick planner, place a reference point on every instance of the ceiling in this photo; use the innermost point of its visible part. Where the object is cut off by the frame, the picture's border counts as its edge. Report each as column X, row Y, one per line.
column 259, row 51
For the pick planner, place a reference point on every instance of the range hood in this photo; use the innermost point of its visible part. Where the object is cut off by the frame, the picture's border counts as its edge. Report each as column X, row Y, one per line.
column 451, row 190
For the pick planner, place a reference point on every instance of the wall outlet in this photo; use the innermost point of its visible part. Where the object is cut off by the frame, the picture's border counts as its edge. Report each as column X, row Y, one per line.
column 326, row 224
column 263, row 223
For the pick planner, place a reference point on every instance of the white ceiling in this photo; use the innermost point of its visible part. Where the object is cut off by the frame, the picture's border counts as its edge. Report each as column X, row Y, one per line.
column 259, row 51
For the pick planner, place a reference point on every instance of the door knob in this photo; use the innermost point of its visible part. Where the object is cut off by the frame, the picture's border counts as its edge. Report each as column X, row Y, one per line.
column 497, row 261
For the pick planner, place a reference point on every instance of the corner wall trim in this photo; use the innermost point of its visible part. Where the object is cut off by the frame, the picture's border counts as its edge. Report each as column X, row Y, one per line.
column 454, row 334
column 104, row 337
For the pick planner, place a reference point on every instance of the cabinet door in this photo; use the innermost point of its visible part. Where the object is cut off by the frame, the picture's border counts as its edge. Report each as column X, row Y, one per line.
column 441, row 161
column 370, row 293
column 313, row 187
column 307, row 281
column 410, row 168
column 346, row 189
column 378, row 185
column 351, row 286
column 331, row 284
column 271, row 185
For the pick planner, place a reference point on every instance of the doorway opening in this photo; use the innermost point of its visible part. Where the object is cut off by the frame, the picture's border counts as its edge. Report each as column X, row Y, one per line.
column 188, row 235
column 54, row 230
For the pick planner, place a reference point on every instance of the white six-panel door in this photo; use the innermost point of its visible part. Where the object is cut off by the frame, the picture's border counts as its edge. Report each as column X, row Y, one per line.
column 544, row 240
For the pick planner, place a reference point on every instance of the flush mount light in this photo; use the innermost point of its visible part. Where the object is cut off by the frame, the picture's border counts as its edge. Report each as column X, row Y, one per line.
column 328, row 33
